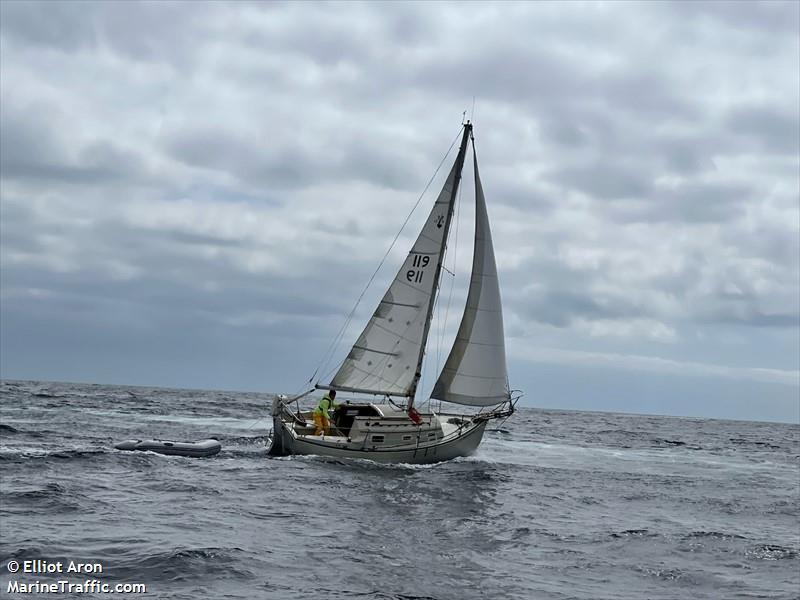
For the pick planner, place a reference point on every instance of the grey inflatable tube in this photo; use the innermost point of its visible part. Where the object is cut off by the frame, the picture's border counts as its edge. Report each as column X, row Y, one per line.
column 199, row 449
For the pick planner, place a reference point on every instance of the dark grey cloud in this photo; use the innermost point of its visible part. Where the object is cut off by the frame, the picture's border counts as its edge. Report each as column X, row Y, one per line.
column 220, row 150
column 695, row 202
column 560, row 307
column 287, row 162
column 741, row 312
column 528, row 195
column 684, row 154
column 774, row 130
column 138, row 31
column 606, row 180
column 61, row 25
column 761, row 16
column 31, row 147
column 329, row 37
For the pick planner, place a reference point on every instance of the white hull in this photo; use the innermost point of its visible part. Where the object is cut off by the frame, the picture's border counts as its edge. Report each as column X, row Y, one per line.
column 454, row 441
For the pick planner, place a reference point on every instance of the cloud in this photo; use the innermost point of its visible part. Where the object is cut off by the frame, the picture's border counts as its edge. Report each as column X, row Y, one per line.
column 660, row 365
column 695, row 201
column 774, row 130
column 606, row 180
column 240, row 169
column 758, row 17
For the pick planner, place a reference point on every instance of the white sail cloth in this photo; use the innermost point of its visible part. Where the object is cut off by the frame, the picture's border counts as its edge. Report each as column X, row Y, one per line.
column 384, row 358
column 475, row 371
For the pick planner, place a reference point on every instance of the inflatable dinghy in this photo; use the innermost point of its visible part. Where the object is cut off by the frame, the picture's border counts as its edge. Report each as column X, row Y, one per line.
column 199, row 449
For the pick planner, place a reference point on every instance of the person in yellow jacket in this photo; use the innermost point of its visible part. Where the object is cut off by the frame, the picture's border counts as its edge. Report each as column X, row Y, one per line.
column 321, row 413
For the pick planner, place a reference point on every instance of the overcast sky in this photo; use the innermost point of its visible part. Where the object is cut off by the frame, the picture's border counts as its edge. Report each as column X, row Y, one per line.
column 194, row 195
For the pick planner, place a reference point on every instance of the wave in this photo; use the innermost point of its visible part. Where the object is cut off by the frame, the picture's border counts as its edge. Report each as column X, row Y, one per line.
column 716, row 535
column 78, row 454
column 619, row 432
column 667, row 574
column 45, row 395
column 185, row 564
column 17, row 453
column 245, row 440
column 227, row 453
column 14, row 453
column 637, row 533
column 738, row 441
column 9, row 430
column 51, row 499
column 771, row 552
column 785, row 507
column 50, row 490
column 669, row 442
column 183, row 487
column 25, row 552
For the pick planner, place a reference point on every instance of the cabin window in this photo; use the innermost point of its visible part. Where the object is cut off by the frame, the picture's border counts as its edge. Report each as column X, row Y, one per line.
column 432, row 434
column 406, row 438
column 377, row 438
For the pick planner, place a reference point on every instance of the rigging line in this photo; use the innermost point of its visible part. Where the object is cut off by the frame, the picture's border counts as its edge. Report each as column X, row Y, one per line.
column 328, row 354
column 443, row 326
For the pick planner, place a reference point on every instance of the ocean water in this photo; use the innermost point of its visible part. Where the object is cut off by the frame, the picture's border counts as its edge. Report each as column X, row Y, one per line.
column 555, row 504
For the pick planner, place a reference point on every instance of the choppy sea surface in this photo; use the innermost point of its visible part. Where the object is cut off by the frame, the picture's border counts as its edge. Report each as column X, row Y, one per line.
column 555, row 504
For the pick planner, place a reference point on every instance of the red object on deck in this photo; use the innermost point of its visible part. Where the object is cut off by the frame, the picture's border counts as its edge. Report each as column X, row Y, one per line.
column 414, row 416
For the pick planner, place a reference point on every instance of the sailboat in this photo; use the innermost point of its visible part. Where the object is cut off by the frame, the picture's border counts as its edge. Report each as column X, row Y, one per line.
column 386, row 361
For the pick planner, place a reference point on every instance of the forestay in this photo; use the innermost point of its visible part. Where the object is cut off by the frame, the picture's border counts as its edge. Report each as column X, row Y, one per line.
column 384, row 358
column 475, row 371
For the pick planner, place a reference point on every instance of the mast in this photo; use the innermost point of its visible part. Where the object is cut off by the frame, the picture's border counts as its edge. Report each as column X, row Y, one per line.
column 431, row 303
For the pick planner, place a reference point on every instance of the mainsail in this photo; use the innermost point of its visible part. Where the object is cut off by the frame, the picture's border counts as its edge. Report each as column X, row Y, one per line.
column 475, row 371
column 386, row 357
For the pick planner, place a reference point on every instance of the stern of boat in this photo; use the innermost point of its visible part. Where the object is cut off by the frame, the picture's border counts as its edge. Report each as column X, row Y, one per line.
column 278, row 445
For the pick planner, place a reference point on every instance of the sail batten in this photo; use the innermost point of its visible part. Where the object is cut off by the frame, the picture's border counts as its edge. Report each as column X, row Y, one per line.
column 475, row 371
column 375, row 350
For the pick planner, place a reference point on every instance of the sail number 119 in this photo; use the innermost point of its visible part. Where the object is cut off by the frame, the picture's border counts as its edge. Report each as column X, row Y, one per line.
column 420, row 262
